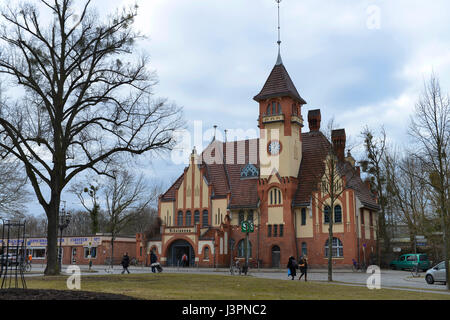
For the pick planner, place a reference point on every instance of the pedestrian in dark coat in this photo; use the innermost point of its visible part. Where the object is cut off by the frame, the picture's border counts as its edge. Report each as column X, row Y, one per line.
column 303, row 266
column 153, row 259
column 125, row 263
column 292, row 266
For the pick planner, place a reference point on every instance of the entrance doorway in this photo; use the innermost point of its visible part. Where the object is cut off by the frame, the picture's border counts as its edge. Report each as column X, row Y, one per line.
column 176, row 251
column 275, row 257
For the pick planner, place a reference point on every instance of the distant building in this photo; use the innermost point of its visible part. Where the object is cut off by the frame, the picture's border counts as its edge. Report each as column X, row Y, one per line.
column 76, row 250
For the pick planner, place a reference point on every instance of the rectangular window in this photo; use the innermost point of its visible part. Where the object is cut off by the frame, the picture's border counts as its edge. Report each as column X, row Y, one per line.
column 362, row 217
column 269, row 231
column 371, row 218
column 250, row 216
column 38, row 253
column 93, row 253
column 140, row 251
column 281, row 230
column 303, row 216
column 275, row 230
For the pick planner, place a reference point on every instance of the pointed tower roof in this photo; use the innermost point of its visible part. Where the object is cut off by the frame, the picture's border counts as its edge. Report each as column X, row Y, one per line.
column 279, row 84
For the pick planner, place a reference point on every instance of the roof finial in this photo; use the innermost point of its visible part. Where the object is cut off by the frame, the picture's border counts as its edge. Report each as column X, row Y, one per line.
column 215, row 130
column 279, row 61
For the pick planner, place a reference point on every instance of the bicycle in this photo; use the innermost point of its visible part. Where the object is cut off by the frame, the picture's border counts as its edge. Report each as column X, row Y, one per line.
column 235, row 268
column 25, row 266
column 109, row 267
column 415, row 271
column 358, row 267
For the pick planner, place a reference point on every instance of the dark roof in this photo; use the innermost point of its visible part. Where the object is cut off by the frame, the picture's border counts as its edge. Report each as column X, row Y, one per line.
column 279, row 84
column 315, row 151
column 225, row 178
column 225, row 174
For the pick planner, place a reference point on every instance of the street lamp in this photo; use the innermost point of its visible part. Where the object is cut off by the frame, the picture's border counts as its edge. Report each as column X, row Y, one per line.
column 64, row 220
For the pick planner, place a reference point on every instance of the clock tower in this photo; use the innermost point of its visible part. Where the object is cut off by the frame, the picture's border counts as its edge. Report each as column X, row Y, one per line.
column 280, row 123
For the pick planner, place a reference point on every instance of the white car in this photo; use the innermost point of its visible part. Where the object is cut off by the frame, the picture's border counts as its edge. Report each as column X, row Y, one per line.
column 436, row 274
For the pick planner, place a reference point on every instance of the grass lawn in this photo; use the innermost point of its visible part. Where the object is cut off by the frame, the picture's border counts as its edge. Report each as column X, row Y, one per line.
column 218, row 287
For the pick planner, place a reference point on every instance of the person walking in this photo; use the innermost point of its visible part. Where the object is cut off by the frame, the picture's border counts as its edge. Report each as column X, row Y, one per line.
column 292, row 266
column 184, row 260
column 125, row 263
column 303, row 266
column 153, row 260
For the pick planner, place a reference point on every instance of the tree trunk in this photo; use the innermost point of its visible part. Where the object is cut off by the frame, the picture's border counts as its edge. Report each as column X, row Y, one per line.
column 52, row 237
column 330, row 250
column 112, row 251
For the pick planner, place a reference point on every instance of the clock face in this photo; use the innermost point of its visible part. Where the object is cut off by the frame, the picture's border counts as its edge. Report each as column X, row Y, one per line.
column 274, row 147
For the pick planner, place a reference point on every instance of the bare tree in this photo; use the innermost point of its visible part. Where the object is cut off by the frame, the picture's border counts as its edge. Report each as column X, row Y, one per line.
column 13, row 192
column 86, row 102
column 405, row 183
column 373, row 165
column 126, row 196
column 333, row 179
column 89, row 200
column 430, row 127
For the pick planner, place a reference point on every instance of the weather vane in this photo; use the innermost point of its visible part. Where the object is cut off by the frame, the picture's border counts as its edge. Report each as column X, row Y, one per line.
column 279, row 61
column 279, row 29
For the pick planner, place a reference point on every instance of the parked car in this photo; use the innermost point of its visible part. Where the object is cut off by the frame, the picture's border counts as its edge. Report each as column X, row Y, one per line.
column 436, row 274
column 409, row 261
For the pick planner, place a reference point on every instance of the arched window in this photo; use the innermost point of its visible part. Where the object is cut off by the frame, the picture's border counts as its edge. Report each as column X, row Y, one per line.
column 304, row 249
column 205, row 218
column 338, row 214
column 274, row 108
column 326, row 214
column 196, row 217
column 188, row 218
column 250, row 216
column 294, row 109
column 180, row 218
column 241, row 217
column 268, row 110
column 337, row 249
column 206, row 253
column 241, row 248
column 275, row 197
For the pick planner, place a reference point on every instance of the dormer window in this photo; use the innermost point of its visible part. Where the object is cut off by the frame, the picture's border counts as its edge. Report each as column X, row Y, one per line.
column 249, row 171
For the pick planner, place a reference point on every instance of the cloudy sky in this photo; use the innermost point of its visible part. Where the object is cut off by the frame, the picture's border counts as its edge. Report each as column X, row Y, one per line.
column 361, row 62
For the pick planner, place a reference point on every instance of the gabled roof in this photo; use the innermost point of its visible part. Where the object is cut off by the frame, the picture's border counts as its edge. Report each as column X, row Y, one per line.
column 312, row 168
column 279, row 84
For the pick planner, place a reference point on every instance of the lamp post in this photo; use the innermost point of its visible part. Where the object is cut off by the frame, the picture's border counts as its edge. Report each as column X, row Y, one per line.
column 64, row 220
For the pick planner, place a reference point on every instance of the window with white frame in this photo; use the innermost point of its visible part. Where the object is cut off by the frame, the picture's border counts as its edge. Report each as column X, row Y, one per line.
column 337, row 248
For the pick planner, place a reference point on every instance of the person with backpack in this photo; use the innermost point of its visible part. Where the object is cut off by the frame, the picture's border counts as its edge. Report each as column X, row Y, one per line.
column 303, row 266
column 184, row 260
column 153, row 260
column 292, row 267
column 125, row 263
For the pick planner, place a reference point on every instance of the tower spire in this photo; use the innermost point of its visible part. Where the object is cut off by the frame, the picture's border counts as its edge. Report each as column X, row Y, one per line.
column 279, row 61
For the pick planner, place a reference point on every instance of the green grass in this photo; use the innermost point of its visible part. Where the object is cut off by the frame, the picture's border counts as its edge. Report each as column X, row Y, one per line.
column 217, row 287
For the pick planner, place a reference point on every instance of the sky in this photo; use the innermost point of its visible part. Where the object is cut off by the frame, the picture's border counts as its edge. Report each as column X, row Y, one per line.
column 362, row 63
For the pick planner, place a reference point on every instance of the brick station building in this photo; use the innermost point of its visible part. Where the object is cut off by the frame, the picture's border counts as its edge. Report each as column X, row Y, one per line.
column 75, row 250
column 271, row 181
